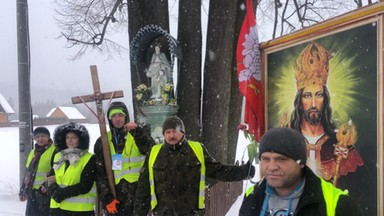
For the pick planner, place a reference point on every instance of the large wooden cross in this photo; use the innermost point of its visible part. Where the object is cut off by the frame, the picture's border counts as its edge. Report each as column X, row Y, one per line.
column 98, row 97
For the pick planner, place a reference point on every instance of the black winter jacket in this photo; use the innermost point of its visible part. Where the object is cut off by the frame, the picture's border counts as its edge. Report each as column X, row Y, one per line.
column 311, row 201
column 177, row 176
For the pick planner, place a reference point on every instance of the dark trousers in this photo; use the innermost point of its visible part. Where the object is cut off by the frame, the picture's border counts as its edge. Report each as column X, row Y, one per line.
column 37, row 204
column 125, row 192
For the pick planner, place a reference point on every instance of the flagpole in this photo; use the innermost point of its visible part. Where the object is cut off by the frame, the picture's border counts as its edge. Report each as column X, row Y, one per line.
column 242, row 115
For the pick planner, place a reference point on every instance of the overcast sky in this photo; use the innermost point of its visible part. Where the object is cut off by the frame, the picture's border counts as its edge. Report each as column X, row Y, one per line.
column 50, row 64
column 51, row 67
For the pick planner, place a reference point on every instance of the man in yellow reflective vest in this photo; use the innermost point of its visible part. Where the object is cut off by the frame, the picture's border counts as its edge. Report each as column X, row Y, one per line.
column 39, row 164
column 172, row 181
column 289, row 186
column 128, row 145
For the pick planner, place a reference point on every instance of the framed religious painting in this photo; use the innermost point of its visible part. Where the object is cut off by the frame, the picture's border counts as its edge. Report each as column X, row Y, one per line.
column 327, row 83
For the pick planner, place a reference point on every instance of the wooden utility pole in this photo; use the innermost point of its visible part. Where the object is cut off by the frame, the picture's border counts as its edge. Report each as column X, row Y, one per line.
column 98, row 97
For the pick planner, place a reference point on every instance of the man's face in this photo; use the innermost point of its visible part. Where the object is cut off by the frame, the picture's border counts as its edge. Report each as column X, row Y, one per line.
column 281, row 172
column 312, row 100
column 72, row 140
column 173, row 136
column 41, row 139
column 118, row 120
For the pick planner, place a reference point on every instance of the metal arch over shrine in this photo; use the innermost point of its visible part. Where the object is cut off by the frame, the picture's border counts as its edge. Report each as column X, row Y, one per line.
column 145, row 37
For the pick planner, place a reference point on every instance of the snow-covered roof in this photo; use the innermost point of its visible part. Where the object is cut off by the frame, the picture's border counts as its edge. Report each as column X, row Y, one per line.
column 70, row 112
column 4, row 105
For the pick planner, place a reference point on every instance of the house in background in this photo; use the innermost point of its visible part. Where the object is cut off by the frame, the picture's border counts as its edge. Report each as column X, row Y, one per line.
column 5, row 111
column 60, row 115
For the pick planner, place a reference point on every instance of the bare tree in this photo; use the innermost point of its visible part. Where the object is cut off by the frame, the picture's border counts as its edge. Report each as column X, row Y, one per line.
column 291, row 15
column 189, row 78
column 90, row 24
column 87, row 24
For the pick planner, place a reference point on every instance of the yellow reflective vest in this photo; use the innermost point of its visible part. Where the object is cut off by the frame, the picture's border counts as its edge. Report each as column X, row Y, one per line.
column 198, row 150
column 71, row 176
column 44, row 165
column 331, row 195
column 132, row 160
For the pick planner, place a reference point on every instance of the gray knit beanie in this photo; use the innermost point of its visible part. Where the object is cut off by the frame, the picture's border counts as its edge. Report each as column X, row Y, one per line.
column 285, row 141
column 173, row 122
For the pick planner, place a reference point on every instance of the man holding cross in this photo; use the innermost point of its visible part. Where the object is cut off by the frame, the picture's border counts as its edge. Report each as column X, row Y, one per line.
column 128, row 144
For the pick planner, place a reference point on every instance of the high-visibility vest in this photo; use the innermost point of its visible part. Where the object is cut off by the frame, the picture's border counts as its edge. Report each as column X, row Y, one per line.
column 132, row 160
column 331, row 195
column 198, row 150
column 71, row 176
column 44, row 165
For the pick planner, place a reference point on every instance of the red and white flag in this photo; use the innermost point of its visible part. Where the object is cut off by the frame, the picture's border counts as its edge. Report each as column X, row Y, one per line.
column 249, row 73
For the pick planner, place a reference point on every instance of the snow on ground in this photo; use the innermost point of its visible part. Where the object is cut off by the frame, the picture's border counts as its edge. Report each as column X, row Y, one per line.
column 9, row 168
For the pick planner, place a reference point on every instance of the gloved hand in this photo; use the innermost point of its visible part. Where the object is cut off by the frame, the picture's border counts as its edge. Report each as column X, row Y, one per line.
column 58, row 195
column 22, row 197
column 111, row 207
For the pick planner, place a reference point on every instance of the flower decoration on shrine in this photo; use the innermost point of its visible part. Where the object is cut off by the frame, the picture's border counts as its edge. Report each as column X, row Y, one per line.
column 143, row 95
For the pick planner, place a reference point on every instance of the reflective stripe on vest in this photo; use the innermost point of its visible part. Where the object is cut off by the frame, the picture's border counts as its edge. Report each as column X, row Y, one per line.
column 331, row 196
column 198, row 150
column 132, row 160
column 249, row 190
column 43, row 167
column 79, row 199
column 71, row 176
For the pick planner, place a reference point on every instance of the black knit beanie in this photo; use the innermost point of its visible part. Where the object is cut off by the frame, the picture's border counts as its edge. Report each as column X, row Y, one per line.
column 41, row 130
column 173, row 122
column 285, row 141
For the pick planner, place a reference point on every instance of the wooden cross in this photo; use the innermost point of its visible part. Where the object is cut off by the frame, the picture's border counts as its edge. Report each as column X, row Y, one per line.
column 98, row 97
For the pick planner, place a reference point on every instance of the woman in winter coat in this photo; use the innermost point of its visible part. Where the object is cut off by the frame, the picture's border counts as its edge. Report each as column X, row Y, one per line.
column 74, row 190
column 34, row 188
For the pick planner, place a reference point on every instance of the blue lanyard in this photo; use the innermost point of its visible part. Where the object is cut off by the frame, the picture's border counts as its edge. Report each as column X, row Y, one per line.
column 266, row 200
column 116, row 137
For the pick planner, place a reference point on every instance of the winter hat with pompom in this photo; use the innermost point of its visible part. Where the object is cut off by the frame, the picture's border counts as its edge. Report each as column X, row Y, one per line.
column 173, row 122
column 285, row 141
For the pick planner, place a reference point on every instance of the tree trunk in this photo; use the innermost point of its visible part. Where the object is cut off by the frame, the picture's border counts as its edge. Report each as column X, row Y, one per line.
column 189, row 77
column 221, row 97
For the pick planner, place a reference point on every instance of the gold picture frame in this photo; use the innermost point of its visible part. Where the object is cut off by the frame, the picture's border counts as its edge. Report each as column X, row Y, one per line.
column 353, row 76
